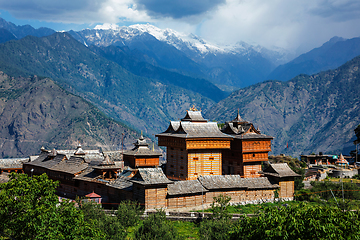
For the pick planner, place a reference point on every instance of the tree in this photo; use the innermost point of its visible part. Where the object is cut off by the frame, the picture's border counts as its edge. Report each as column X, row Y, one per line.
column 29, row 209
column 129, row 213
column 155, row 226
column 303, row 221
column 218, row 225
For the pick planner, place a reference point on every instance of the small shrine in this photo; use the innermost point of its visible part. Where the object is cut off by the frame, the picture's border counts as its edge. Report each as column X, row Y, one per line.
column 141, row 155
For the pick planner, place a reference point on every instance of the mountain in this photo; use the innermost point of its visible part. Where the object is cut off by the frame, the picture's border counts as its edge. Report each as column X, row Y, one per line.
column 307, row 113
column 5, row 35
column 25, row 30
column 123, row 56
column 238, row 66
column 143, row 103
column 330, row 55
column 36, row 112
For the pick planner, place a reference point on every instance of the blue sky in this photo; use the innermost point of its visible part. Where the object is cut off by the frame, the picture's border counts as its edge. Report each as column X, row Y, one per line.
column 289, row 24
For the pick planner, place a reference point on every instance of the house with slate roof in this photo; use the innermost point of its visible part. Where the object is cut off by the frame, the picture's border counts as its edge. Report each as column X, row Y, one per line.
column 282, row 175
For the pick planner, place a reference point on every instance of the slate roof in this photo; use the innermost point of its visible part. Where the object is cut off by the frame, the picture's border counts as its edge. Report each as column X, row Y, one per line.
column 194, row 116
column 114, row 155
column 59, row 163
column 195, row 130
column 185, row 187
column 121, row 182
column 142, row 149
column 241, row 129
column 193, row 125
column 280, row 170
column 89, row 174
column 12, row 162
column 150, row 176
column 46, row 160
column 72, row 166
column 234, row 181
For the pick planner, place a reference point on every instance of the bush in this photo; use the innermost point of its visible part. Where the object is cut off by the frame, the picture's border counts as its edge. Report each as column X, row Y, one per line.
column 156, row 226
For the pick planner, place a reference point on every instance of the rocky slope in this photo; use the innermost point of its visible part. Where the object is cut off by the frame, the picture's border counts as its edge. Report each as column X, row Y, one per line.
column 36, row 112
column 145, row 103
column 307, row 113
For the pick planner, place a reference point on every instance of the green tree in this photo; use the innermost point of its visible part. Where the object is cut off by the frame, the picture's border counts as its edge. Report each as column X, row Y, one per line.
column 109, row 225
column 155, row 226
column 302, row 221
column 128, row 213
column 218, row 225
column 29, row 209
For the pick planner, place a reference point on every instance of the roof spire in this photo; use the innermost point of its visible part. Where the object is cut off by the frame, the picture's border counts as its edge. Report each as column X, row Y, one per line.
column 238, row 117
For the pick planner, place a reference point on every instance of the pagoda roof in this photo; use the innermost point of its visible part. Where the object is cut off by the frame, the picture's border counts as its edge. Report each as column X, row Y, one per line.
column 141, row 149
column 193, row 125
column 193, row 116
column 241, row 129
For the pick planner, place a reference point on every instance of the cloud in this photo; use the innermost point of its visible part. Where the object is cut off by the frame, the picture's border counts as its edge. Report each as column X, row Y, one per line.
column 282, row 23
column 338, row 10
column 177, row 8
column 78, row 11
column 288, row 24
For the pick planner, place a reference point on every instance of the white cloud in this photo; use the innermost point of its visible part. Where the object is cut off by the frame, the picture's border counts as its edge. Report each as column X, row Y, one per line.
column 282, row 23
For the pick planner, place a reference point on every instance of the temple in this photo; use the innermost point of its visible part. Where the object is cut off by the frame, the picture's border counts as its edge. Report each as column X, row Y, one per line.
column 196, row 147
column 203, row 162
column 248, row 148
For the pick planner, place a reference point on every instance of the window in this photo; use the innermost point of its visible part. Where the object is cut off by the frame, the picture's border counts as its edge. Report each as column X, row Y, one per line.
column 253, row 154
column 181, row 157
column 195, row 159
column 181, row 167
column 172, row 173
column 181, row 175
column 211, row 158
column 195, row 174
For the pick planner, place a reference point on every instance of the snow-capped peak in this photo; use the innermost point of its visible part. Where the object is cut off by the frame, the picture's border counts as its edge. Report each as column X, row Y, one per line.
column 107, row 26
column 177, row 39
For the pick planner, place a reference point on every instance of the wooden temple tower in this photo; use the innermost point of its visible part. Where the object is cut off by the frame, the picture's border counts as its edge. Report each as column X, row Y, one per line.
column 194, row 147
column 141, row 156
column 248, row 149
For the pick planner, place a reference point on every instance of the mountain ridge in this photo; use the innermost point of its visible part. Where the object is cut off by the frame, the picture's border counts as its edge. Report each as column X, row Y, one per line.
column 36, row 112
column 306, row 114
